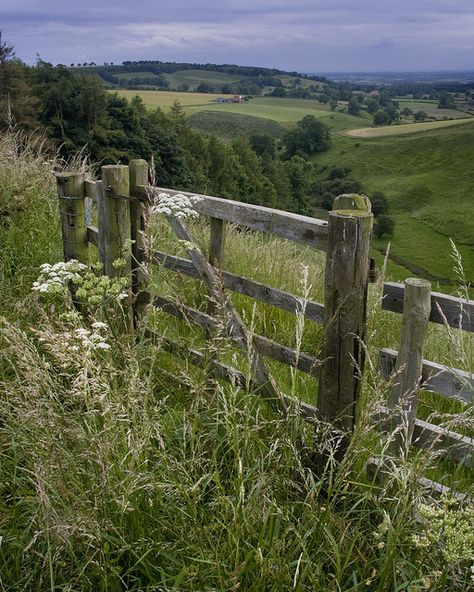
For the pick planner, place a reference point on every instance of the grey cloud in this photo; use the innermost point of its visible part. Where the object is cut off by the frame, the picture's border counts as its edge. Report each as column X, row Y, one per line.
column 303, row 34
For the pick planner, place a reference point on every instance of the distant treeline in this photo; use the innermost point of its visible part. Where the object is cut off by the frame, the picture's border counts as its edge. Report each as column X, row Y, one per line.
column 75, row 112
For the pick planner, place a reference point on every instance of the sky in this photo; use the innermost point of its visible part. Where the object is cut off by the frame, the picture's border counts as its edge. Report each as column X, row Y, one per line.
column 304, row 35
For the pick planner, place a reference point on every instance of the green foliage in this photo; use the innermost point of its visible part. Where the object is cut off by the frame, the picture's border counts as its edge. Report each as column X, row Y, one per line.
column 17, row 105
column 420, row 116
column 353, row 107
column 263, row 145
column 308, row 137
column 338, row 180
column 379, row 203
column 384, row 226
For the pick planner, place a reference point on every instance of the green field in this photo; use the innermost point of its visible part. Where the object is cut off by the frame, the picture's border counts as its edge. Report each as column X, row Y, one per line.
column 407, row 128
column 165, row 99
column 283, row 111
column 132, row 75
column 228, row 126
column 428, row 181
column 196, row 77
column 430, row 108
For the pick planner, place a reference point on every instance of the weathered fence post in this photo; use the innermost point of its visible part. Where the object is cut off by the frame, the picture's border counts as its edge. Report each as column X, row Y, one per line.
column 345, row 302
column 216, row 245
column 216, row 251
column 117, row 226
column 72, row 208
column 404, row 393
column 139, row 213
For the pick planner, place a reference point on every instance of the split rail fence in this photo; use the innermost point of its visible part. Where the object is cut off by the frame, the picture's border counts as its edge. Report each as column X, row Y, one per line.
column 123, row 199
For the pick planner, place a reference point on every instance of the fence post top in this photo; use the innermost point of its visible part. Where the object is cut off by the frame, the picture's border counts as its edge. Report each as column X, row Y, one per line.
column 352, row 201
column 348, row 214
column 418, row 283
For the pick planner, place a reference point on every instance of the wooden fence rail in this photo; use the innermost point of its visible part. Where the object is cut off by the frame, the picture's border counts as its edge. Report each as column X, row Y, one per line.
column 123, row 199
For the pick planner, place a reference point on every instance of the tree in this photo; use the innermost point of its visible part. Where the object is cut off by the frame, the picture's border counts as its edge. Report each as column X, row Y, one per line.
column 446, row 101
column 178, row 117
column 263, row 144
column 379, row 203
column 353, row 107
column 308, row 137
column 381, row 117
column 420, row 116
column 384, row 226
column 17, row 105
column 298, row 171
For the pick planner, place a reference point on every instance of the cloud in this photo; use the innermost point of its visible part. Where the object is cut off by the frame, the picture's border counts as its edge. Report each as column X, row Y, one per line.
column 303, row 34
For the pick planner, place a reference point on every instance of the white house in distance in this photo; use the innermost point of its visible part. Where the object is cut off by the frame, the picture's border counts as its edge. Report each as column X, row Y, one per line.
column 234, row 99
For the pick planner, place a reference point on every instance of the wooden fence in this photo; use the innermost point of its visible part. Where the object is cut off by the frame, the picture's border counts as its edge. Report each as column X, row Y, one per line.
column 123, row 198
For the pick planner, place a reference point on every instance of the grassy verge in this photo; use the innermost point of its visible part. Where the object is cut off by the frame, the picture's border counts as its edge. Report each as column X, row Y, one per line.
column 122, row 469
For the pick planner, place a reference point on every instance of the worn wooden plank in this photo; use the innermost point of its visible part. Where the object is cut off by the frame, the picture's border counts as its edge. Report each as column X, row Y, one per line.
column 93, row 235
column 242, row 285
column 232, row 322
column 440, row 379
column 90, row 188
column 455, row 312
column 294, row 227
column 451, row 445
column 345, row 302
column 267, row 347
column 225, row 372
column 216, row 243
column 404, row 391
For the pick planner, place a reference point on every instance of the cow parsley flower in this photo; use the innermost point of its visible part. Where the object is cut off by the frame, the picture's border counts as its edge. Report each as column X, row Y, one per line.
column 54, row 278
column 180, row 206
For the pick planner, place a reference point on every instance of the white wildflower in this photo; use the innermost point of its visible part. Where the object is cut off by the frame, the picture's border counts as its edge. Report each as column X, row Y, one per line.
column 53, row 277
column 180, row 206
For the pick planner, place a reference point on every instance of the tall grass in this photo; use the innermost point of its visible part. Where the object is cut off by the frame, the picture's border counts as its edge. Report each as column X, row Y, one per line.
column 124, row 469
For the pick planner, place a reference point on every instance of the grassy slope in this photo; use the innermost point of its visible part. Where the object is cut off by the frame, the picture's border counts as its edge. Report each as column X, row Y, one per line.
column 195, row 77
column 406, row 128
column 230, row 125
column 427, row 179
column 430, row 108
column 283, row 111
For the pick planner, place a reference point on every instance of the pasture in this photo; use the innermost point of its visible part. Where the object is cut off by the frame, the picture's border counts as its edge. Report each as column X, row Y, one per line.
column 428, row 181
column 284, row 111
column 406, row 128
column 430, row 108
column 196, row 77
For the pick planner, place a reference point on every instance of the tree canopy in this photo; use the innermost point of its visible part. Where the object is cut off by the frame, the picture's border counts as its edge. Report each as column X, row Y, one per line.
column 308, row 137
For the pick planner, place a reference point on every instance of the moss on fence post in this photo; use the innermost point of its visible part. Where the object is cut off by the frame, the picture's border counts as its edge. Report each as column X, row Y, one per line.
column 72, row 209
column 117, row 228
